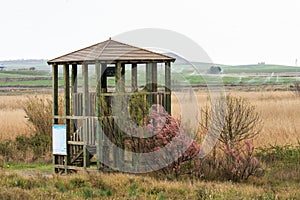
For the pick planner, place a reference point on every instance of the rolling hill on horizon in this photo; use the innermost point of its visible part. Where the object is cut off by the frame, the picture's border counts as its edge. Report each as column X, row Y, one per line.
column 181, row 65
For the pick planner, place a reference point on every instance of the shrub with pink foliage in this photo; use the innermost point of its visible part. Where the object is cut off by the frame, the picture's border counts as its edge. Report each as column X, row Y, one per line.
column 176, row 149
column 240, row 162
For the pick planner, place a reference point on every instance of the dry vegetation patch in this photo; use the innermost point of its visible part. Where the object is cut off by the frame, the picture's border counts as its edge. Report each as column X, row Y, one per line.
column 279, row 111
column 12, row 117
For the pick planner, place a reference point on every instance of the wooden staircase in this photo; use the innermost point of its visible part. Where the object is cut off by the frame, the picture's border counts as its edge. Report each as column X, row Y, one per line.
column 76, row 146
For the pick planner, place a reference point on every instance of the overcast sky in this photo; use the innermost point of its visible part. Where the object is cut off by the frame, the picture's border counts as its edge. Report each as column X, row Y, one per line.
column 230, row 31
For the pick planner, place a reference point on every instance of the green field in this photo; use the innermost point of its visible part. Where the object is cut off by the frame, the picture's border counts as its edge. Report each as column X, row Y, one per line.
column 181, row 74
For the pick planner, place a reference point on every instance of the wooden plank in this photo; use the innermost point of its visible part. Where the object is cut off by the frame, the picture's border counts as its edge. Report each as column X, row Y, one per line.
column 168, row 87
column 79, row 143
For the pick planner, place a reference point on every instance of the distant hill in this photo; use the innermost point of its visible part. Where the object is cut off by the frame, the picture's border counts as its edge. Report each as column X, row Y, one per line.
column 38, row 64
column 181, row 65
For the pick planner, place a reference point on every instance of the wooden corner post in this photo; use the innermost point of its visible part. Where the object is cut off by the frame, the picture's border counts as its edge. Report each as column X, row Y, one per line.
column 55, row 92
column 73, row 92
column 54, row 101
column 67, row 110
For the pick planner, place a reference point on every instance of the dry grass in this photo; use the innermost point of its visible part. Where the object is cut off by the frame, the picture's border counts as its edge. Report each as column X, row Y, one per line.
column 279, row 111
column 124, row 186
column 281, row 116
column 13, row 121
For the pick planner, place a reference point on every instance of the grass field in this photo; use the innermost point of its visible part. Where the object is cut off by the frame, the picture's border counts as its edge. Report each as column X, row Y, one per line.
column 122, row 186
column 281, row 178
column 181, row 74
column 278, row 110
column 13, row 121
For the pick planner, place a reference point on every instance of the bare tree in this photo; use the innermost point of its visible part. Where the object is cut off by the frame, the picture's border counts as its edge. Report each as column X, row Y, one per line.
column 234, row 118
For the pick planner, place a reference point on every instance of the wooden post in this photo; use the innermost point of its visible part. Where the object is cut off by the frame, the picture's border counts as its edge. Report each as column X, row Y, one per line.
column 168, row 87
column 134, row 82
column 73, row 92
column 99, row 136
column 85, row 97
column 134, row 88
column 154, row 83
column 55, row 100
column 106, row 147
column 67, row 110
column 124, row 107
column 119, row 83
column 149, row 82
column 55, row 92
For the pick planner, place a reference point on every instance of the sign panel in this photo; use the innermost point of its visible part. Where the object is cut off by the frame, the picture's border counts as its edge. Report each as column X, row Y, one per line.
column 59, row 139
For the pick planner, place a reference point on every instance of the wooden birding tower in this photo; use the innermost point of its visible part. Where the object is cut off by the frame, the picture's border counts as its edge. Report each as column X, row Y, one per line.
column 103, row 66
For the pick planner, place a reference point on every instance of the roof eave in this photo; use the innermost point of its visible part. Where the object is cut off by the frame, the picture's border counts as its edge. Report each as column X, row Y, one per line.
column 52, row 62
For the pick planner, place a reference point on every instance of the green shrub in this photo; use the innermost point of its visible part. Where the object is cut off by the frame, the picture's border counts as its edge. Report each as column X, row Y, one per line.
column 6, row 150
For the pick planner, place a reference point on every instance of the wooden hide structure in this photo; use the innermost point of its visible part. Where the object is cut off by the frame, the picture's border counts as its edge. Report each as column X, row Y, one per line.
column 88, row 110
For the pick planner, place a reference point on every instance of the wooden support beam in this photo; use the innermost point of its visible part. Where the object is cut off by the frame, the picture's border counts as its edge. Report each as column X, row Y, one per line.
column 105, row 152
column 168, row 87
column 122, row 78
column 85, row 97
column 74, row 85
column 99, row 134
column 55, row 100
column 149, row 82
column 134, row 83
column 55, row 92
column 154, row 82
column 134, row 88
column 67, row 108
column 120, row 88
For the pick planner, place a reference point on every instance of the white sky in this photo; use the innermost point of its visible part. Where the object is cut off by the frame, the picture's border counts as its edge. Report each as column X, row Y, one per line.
column 230, row 31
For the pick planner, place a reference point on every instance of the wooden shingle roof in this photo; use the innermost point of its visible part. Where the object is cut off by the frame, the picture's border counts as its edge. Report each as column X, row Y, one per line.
column 111, row 51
